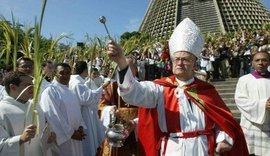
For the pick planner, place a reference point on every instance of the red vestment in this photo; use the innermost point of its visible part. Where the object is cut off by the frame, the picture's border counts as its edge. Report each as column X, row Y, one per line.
column 208, row 100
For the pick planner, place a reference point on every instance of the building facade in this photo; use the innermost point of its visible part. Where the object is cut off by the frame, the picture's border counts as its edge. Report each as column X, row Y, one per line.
column 163, row 16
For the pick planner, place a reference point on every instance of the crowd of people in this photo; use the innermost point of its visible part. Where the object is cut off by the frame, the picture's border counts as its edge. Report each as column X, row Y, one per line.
column 165, row 108
column 220, row 58
column 233, row 58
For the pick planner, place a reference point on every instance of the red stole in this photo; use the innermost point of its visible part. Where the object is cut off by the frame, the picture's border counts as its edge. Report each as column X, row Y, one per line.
column 148, row 132
column 205, row 97
column 172, row 110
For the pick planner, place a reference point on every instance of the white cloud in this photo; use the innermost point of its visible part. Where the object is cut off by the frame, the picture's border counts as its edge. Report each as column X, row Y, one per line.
column 133, row 25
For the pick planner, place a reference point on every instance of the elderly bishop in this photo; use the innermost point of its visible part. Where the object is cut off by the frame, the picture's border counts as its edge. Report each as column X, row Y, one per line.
column 191, row 117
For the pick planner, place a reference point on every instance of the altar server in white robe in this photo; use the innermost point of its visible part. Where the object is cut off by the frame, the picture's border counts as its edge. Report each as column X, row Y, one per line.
column 62, row 111
column 252, row 97
column 14, row 135
column 185, row 44
column 25, row 65
column 89, row 99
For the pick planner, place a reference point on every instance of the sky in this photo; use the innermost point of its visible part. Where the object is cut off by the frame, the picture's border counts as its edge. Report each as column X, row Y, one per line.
column 81, row 17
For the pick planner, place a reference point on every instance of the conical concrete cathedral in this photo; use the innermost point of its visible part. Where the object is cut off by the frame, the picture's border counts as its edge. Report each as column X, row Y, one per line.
column 162, row 16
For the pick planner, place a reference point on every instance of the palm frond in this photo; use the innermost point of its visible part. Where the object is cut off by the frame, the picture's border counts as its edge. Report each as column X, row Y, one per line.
column 7, row 43
column 26, row 47
column 37, row 63
column 15, row 37
column 55, row 42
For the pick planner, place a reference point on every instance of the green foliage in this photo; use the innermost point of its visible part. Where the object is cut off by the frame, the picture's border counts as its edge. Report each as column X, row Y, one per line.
column 26, row 45
column 9, row 44
column 6, row 43
column 266, row 27
column 15, row 38
column 128, row 35
column 17, row 41
column 53, row 46
column 134, row 41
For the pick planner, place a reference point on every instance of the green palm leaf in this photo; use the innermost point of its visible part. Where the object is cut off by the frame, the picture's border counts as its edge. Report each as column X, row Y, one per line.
column 55, row 42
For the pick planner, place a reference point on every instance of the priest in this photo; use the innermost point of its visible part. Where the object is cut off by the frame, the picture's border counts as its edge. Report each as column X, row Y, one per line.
column 89, row 107
column 16, row 129
column 62, row 111
column 252, row 97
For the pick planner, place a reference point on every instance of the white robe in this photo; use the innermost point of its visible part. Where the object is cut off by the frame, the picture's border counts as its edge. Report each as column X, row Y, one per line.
column 45, row 131
column 3, row 92
column 99, row 80
column 12, row 115
column 44, row 84
column 89, row 106
column 90, row 84
column 62, row 111
column 150, row 95
column 250, row 96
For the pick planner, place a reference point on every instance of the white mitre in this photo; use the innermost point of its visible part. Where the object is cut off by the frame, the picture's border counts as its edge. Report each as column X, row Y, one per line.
column 186, row 37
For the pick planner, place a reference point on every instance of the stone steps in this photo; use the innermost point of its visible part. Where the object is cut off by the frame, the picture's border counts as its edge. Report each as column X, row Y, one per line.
column 226, row 95
column 226, row 90
column 232, row 106
column 229, row 100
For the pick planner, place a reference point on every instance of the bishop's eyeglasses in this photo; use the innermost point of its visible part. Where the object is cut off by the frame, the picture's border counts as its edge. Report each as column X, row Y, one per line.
column 184, row 60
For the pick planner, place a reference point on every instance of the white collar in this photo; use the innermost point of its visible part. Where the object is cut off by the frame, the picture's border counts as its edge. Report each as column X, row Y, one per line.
column 78, row 77
column 13, row 101
column 58, row 84
column 182, row 83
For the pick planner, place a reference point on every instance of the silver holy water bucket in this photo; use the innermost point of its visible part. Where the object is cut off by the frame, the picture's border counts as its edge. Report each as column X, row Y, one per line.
column 116, row 132
column 116, row 135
